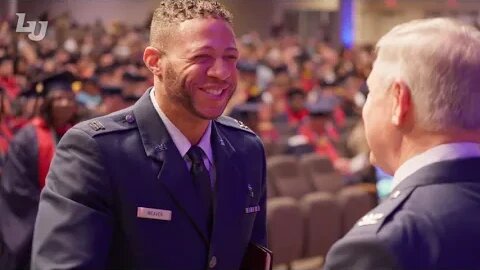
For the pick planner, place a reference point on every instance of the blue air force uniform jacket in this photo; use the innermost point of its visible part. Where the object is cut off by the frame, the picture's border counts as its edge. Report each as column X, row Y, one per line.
column 430, row 221
column 107, row 169
column 19, row 195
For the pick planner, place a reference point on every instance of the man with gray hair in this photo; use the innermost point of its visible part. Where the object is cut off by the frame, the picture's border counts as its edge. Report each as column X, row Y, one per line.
column 422, row 122
column 168, row 183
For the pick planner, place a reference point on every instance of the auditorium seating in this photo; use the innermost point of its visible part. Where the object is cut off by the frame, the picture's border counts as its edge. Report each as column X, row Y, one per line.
column 309, row 207
column 322, row 217
column 285, row 229
column 284, row 172
column 271, row 190
column 355, row 202
column 319, row 171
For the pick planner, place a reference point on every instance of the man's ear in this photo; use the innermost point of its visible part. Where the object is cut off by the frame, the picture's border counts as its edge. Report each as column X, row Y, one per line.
column 152, row 57
column 402, row 103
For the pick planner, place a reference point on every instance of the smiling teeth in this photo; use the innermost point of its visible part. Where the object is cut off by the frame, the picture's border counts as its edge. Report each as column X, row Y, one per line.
column 214, row 92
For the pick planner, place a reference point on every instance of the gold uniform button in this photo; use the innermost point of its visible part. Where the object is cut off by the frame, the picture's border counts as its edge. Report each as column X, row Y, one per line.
column 213, row 262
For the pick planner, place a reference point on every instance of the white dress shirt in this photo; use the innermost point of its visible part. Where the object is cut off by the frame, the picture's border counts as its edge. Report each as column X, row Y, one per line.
column 183, row 144
column 438, row 153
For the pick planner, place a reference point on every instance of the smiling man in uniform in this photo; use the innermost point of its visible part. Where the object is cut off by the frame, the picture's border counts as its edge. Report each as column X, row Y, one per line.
column 168, row 183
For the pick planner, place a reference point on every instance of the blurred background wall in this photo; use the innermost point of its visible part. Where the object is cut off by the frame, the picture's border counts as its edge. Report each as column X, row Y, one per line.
column 340, row 21
column 375, row 17
column 248, row 14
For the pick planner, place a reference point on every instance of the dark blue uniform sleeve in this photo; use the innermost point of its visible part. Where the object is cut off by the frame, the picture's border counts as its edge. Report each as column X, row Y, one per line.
column 74, row 223
column 360, row 253
column 19, row 192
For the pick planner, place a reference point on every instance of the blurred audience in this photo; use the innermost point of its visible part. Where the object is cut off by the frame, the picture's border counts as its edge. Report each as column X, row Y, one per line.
column 284, row 78
column 27, row 163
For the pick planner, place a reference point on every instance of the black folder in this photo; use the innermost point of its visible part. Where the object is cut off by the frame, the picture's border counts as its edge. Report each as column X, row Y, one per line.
column 257, row 258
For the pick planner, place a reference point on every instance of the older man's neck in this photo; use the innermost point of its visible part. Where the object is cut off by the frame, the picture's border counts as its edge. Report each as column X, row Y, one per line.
column 420, row 141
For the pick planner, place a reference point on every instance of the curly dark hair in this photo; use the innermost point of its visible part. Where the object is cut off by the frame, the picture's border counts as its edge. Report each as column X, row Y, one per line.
column 173, row 12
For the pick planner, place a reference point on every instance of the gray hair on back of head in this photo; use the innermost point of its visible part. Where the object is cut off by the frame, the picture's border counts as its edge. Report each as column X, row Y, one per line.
column 439, row 59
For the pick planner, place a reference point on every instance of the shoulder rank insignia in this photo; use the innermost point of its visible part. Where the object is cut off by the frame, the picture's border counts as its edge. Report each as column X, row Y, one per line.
column 242, row 125
column 96, row 125
column 370, row 219
column 233, row 123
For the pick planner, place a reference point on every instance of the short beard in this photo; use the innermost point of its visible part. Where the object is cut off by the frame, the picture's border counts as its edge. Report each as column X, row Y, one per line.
column 175, row 88
column 177, row 92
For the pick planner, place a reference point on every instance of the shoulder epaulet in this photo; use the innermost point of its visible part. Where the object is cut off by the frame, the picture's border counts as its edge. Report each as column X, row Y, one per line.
column 118, row 121
column 234, row 123
column 373, row 221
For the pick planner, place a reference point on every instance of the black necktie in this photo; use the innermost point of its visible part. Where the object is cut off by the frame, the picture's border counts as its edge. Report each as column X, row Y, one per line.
column 201, row 180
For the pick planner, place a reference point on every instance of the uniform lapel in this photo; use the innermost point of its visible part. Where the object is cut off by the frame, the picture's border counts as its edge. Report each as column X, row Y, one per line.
column 230, row 187
column 174, row 174
column 176, row 178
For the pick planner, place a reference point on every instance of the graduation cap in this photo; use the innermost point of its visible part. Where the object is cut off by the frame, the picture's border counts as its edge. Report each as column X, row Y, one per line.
column 108, row 69
column 344, row 77
column 63, row 81
column 280, row 69
column 139, row 64
column 130, row 98
column 295, row 91
column 132, row 77
column 246, row 111
column 111, row 91
column 28, row 93
column 328, row 83
column 93, row 80
column 302, row 57
column 49, row 53
column 5, row 58
column 323, row 108
column 247, row 67
column 299, row 145
column 73, row 59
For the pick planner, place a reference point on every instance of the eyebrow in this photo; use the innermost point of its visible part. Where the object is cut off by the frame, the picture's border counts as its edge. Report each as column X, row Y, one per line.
column 231, row 49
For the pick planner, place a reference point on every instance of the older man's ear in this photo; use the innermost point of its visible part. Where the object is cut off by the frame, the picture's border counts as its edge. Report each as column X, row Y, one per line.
column 402, row 103
column 152, row 57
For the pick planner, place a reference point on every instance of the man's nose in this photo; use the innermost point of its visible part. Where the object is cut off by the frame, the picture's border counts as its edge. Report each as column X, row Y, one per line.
column 220, row 70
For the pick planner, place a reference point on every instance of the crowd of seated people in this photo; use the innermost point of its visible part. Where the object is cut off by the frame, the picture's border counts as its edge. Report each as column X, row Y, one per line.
column 299, row 96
